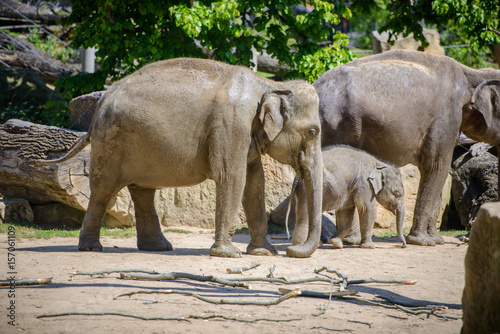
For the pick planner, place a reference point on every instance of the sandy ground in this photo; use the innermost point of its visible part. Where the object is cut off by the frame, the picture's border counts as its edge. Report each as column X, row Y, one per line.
column 439, row 271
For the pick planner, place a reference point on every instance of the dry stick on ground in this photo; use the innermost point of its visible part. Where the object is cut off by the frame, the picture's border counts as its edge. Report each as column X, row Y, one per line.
column 107, row 272
column 107, row 313
column 282, row 280
column 240, row 270
column 364, row 281
column 342, row 285
column 332, row 329
column 175, row 276
column 293, row 293
column 37, row 281
column 186, row 318
column 361, row 322
column 414, row 311
column 322, row 295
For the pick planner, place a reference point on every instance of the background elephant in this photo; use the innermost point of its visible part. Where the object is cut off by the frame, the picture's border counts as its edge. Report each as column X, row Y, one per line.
column 410, row 107
column 178, row 122
column 353, row 179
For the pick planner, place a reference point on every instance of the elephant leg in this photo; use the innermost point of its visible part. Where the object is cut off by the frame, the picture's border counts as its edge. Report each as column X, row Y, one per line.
column 301, row 229
column 428, row 202
column 255, row 211
column 149, row 235
column 366, row 221
column 354, row 235
column 344, row 221
column 229, row 193
column 100, row 195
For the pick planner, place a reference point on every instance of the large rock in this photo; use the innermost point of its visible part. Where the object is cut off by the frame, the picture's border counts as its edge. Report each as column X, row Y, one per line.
column 380, row 42
column 475, row 182
column 82, row 110
column 15, row 210
column 481, row 296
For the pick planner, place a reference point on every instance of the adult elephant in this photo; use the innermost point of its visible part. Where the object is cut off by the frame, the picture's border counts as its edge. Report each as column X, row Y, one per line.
column 410, row 107
column 179, row 122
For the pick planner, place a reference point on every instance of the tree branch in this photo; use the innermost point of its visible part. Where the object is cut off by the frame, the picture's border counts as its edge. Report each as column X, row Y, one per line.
column 38, row 281
column 186, row 318
column 293, row 293
column 175, row 276
column 240, row 270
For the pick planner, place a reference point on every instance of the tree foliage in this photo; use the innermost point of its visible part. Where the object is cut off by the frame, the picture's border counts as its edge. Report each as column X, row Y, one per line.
column 129, row 34
column 477, row 19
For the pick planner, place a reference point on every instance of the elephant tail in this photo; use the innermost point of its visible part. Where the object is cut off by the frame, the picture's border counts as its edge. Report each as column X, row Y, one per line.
column 290, row 199
column 77, row 147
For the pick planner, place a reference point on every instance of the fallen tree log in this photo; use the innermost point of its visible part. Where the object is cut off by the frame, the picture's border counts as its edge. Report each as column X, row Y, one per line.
column 25, row 55
column 65, row 183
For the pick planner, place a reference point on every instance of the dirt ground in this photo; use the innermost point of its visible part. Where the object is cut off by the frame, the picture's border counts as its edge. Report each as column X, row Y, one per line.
column 439, row 271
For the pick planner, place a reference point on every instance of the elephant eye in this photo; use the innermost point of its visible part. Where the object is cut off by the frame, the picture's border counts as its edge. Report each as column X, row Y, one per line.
column 313, row 132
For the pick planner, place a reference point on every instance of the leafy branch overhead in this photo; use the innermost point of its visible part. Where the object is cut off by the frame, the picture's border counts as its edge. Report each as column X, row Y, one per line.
column 130, row 34
column 478, row 19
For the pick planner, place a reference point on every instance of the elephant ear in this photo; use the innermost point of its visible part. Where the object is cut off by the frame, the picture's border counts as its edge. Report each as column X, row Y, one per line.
column 272, row 109
column 376, row 179
column 486, row 100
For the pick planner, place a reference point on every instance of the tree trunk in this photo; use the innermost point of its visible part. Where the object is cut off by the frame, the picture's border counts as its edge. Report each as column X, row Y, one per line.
column 496, row 53
column 66, row 183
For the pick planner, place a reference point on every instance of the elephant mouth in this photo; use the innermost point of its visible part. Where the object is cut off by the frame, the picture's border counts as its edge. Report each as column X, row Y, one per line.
column 300, row 169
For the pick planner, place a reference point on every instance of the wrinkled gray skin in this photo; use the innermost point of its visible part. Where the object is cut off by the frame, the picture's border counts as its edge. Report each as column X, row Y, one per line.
column 410, row 107
column 179, row 122
column 353, row 179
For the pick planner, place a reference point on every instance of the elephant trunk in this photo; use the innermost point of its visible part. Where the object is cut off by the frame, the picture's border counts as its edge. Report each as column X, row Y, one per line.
column 289, row 206
column 312, row 178
column 400, row 219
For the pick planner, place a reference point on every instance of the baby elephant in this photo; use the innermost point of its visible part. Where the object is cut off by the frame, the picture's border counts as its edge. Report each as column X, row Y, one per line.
column 352, row 179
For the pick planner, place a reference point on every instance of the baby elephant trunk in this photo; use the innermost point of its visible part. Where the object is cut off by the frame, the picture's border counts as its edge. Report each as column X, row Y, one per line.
column 400, row 219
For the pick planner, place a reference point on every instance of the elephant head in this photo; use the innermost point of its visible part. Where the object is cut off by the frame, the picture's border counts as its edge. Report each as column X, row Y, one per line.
column 388, row 189
column 290, row 133
column 480, row 118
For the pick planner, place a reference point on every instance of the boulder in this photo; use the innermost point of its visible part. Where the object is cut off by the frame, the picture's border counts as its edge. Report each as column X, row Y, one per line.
column 481, row 296
column 15, row 210
column 380, row 42
column 474, row 182
column 82, row 110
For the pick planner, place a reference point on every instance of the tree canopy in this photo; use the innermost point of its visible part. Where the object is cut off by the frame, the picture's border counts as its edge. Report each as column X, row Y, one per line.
column 131, row 33
column 479, row 19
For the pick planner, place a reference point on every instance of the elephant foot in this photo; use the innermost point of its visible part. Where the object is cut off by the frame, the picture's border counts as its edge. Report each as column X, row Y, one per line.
column 352, row 239
column 367, row 245
column 438, row 240
column 421, row 239
column 160, row 244
column 266, row 250
column 300, row 251
column 224, row 250
column 337, row 242
column 89, row 244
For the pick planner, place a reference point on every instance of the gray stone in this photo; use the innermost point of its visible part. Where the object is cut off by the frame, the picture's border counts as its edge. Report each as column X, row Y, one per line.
column 474, row 182
column 481, row 296
column 82, row 110
column 380, row 42
column 15, row 210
